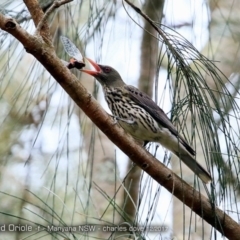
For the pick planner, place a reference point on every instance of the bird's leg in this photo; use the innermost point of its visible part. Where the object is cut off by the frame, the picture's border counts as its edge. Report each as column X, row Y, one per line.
column 114, row 120
column 145, row 144
column 129, row 121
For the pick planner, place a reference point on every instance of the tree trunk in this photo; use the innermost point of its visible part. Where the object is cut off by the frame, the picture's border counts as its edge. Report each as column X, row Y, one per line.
column 148, row 65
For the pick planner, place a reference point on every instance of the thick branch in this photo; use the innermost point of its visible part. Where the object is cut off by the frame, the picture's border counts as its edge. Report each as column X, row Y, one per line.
column 35, row 10
column 56, row 4
column 164, row 176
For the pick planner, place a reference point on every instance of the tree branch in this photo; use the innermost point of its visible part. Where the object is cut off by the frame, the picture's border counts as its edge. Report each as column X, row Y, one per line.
column 46, row 55
column 55, row 5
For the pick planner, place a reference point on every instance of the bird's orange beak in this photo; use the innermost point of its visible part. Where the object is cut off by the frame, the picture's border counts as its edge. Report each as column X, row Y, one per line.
column 92, row 72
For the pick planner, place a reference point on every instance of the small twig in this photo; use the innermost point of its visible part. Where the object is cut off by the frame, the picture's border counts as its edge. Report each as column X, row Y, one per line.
column 55, row 5
column 159, row 30
column 151, row 22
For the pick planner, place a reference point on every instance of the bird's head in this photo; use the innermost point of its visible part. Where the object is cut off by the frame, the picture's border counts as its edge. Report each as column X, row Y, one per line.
column 105, row 75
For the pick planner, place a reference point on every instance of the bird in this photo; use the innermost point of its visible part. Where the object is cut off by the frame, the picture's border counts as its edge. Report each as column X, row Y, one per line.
column 142, row 118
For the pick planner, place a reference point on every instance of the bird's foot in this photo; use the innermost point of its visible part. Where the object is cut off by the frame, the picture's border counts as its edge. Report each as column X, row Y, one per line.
column 114, row 120
column 129, row 121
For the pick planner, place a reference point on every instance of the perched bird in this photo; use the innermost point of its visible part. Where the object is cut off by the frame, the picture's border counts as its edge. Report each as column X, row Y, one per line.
column 141, row 117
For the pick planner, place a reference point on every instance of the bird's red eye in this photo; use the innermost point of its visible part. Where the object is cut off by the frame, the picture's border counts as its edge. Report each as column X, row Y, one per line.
column 107, row 69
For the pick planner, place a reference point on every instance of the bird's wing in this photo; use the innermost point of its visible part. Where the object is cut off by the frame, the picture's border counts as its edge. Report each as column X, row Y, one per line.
column 156, row 112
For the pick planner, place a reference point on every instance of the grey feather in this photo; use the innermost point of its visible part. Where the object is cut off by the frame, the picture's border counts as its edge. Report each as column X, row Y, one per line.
column 156, row 112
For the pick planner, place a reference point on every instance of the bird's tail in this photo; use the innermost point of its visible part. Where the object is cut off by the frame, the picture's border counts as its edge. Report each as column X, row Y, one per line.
column 196, row 167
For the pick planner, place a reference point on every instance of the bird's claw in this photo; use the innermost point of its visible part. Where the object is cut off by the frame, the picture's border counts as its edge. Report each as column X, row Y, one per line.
column 114, row 120
column 129, row 121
